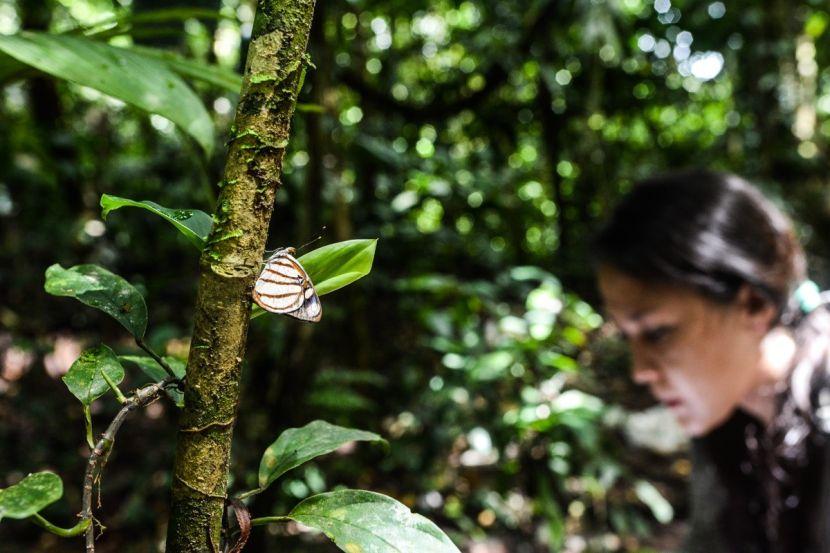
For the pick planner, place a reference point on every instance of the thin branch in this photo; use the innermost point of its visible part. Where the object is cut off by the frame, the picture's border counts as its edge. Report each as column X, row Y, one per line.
column 158, row 359
column 98, row 457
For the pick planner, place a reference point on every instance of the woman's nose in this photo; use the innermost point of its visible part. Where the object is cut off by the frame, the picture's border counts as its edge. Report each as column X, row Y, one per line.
column 643, row 370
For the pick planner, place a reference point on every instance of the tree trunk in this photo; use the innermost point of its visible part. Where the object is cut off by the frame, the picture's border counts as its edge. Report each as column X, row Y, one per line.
column 229, row 266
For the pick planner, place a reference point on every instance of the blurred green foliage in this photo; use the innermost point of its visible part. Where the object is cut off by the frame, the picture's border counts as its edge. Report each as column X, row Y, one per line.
column 482, row 142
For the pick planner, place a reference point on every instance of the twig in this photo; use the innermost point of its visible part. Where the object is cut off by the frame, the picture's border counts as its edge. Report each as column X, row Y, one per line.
column 98, row 457
column 156, row 357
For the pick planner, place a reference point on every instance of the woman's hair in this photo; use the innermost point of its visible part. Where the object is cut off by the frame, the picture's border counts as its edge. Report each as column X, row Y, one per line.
column 706, row 230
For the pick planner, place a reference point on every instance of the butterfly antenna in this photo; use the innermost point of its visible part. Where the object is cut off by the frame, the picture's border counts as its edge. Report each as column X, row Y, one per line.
column 315, row 239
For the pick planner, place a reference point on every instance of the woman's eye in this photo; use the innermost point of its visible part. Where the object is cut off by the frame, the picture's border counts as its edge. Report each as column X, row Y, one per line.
column 657, row 335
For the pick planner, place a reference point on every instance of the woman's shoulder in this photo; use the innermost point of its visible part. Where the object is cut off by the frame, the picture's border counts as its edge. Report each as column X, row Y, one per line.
column 809, row 383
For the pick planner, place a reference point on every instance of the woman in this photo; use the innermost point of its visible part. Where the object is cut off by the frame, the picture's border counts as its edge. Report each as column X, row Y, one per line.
column 698, row 271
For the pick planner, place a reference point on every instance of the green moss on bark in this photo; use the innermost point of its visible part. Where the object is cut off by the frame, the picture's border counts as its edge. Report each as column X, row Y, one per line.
column 229, row 265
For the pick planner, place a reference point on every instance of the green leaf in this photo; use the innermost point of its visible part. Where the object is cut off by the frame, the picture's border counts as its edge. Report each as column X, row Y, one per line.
column 165, row 15
column 195, row 225
column 10, row 68
column 334, row 266
column 152, row 369
column 369, row 522
column 216, row 75
column 139, row 80
column 651, row 496
column 85, row 378
column 30, row 495
column 101, row 289
column 295, row 446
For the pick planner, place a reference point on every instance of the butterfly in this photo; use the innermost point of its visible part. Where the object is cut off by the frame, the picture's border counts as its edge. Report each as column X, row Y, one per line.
column 284, row 287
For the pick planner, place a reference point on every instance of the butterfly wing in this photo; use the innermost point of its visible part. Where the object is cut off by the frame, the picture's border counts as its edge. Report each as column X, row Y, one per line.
column 311, row 309
column 279, row 288
column 284, row 287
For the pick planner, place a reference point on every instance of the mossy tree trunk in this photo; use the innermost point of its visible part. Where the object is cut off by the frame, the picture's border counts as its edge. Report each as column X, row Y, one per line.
column 229, row 266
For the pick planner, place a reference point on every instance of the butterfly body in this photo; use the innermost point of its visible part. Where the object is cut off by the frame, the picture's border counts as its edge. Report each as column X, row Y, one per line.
column 284, row 287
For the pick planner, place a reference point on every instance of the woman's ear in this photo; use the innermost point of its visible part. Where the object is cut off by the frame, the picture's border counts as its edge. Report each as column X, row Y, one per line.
column 756, row 310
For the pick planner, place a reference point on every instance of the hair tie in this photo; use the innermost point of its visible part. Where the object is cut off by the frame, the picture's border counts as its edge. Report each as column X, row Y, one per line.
column 809, row 296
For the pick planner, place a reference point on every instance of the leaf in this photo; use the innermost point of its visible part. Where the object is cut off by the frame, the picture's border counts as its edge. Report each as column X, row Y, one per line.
column 195, row 225
column 30, row 495
column 216, row 75
column 651, row 496
column 10, row 68
column 85, row 378
column 164, row 15
column 156, row 373
column 337, row 265
column 137, row 79
column 295, row 446
column 101, row 289
column 368, row 522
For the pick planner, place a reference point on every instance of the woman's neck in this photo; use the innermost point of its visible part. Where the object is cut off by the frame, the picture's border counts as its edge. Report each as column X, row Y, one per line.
column 776, row 354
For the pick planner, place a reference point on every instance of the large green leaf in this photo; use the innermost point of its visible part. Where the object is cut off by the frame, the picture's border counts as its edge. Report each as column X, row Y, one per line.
column 195, row 225
column 216, row 75
column 101, row 289
column 137, row 79
column 152, row 369
column 11, row 69
column 295, row 446
column 30, row 495
column 87, row 377
column 337, row 265
column 369, row 522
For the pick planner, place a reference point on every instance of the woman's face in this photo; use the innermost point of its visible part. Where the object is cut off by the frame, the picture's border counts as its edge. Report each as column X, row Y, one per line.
column 697, row 357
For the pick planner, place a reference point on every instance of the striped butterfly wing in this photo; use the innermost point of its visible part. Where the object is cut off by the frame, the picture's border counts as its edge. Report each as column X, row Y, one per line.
column 311, row 309
column 284, row 287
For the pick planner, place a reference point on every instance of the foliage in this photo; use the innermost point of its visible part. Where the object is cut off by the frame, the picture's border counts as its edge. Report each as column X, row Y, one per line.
column 30, row 495
column 123, row 74
column 482, row 142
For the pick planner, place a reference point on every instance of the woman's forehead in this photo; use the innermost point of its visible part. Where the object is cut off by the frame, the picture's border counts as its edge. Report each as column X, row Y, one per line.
column 631, row 299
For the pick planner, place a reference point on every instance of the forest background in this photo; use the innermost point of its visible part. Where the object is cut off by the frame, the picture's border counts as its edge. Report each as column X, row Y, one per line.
column 482, row 142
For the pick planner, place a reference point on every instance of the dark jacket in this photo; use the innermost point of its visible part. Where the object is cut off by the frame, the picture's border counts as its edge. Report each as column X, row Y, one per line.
column 765, row 491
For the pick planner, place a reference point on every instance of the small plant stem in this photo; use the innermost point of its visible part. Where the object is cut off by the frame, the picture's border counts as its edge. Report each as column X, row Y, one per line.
column 114, row 387
column 76, row 530
column 140, row 342
column 88, row 426
column 262, row 521
column 249, row 493
column 100, row 452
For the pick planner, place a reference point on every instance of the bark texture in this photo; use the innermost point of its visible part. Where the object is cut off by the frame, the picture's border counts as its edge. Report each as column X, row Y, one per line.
column 229, row 266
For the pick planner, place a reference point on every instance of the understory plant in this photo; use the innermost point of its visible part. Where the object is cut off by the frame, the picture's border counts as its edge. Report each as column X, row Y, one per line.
column 232, row 242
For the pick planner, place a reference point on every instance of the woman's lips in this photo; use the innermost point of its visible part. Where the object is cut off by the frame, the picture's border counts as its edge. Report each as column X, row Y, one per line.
column 671, row 403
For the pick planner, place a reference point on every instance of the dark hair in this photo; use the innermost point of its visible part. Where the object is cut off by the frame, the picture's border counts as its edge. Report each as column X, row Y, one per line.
column 706, row 230
column 714, row 232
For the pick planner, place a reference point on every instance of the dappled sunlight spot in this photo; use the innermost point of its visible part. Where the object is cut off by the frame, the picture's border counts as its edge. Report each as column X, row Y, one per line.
column 489, row 546
column 178, row 347
column 154, row 410
column 706, row 65
column 161, row 124
column 15, row 363
column 481, row 451
column 64, row 352
column 94, row 228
